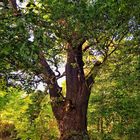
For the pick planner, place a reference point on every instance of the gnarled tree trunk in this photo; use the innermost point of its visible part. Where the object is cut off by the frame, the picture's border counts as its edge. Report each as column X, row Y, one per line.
column 73, row 124
column 71, row 111
column 72, row 116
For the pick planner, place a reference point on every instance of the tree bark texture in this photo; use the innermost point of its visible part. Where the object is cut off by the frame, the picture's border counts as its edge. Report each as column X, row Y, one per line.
column 72, row 114
column 70, row 111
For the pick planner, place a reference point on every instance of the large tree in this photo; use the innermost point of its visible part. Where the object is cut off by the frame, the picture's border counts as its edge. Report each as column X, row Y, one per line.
column 82, row 34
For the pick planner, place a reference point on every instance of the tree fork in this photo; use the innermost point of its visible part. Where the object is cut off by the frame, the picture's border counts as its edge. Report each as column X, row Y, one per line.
column 71, row 111
column 73, row 122
column 49, row 77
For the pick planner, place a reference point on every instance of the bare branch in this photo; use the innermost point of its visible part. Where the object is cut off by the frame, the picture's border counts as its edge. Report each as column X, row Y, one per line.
column 92, row 74
column 62, row 75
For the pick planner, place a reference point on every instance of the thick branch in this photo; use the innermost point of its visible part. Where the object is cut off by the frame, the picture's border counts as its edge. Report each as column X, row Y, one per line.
column 49, row 76
column 71, row 73
column 74, row 70
column 92, row 74
column 94, row 71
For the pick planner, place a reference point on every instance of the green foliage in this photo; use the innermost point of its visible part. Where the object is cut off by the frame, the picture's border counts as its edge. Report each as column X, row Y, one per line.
column 31, row 116
column 5, row 94
column 114, row 106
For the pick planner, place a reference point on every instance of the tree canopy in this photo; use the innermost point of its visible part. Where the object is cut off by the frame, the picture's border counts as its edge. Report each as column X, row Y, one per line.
column 81, row 36
column 52, row 24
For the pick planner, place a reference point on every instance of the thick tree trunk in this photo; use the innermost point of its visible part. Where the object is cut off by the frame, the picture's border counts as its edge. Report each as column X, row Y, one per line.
column 71, row 111
column 72, row 115
column 72, row 118
column 73, row 126
column 74, row 122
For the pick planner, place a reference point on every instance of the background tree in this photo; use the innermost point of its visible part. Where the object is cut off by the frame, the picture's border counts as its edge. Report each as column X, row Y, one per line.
column 70, row 30
column 114, row 114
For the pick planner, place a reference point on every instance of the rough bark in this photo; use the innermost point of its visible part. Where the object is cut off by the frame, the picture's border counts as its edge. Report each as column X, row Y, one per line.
column 73, row 122
column 71, row 111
